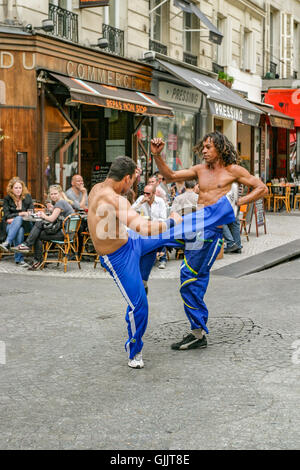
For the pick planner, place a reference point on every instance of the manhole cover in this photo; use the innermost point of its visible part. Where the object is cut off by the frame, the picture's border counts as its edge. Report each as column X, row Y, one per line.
column 225, row 329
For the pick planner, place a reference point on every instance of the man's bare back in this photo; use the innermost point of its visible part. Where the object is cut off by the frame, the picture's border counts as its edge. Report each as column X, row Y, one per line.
column 110, row 214
column 102, row 220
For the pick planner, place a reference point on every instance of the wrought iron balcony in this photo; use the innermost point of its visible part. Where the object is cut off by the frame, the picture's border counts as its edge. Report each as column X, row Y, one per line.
column 190, row 58
column 158, row 47
column 65, row 23
column 115, row 39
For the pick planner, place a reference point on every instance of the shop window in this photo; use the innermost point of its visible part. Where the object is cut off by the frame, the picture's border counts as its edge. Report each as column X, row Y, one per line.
column 178, row 136
column 244, row 145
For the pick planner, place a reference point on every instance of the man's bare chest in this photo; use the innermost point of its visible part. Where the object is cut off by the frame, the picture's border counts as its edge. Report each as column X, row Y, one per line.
column 210, row 179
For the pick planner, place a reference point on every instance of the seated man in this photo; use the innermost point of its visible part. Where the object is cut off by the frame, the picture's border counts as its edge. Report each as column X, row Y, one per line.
column 121, row 237
column 187, row 201
column 78, row 193
column 154, row 208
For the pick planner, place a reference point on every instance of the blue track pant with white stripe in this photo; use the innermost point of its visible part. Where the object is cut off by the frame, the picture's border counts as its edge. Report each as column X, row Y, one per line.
column 124, row 264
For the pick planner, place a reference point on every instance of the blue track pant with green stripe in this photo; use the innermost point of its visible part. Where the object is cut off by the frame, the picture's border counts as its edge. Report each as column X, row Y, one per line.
column 194, row 275
column 124, row 264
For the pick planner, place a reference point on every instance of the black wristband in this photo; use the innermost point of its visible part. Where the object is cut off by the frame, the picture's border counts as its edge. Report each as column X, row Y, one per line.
column 170, row 223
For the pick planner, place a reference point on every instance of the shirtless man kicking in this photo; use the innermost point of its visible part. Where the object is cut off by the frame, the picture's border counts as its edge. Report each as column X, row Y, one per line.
column 121, row 237
column 215, row 177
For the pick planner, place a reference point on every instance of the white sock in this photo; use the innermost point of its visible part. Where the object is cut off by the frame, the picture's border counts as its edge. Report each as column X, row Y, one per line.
column 198, row 333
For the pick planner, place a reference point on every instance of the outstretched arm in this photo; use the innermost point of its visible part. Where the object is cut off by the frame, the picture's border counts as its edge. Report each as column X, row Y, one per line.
column 157, row 146
column 129, row 217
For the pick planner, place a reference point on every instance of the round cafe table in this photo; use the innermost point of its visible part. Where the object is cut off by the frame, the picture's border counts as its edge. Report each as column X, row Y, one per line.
column 31, row 218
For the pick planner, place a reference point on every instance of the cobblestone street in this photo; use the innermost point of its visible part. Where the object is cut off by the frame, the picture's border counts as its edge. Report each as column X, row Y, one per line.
column 65, row 383
column 281, row 228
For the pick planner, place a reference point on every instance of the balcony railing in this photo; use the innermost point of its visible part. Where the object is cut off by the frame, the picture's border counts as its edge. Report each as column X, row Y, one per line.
column 65, row 23
column 190, row 58
column 158, row 47
column 115, row 39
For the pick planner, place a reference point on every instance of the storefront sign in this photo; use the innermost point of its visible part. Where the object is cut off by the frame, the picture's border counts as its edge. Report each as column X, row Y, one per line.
column 234, row 113
column 107, row 77
column 279, row 122
column 93, row 3
column 179, row 95
column 126, row 106
column 30, row 61
column 7, row 60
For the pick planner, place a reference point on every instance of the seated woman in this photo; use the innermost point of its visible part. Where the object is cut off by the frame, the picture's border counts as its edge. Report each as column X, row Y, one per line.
column 16, row 204
column 61, row 208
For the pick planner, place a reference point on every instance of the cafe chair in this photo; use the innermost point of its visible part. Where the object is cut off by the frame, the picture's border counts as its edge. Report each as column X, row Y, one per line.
column 283, row 198
column 88, row 247
column 38, row 206
column 296, row 200
column 269, row 197
column 66, row 247
column 243, row 219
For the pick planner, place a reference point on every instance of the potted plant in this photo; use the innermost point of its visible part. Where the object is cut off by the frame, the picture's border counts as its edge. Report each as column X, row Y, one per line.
column 230, row 81
column 226, row 79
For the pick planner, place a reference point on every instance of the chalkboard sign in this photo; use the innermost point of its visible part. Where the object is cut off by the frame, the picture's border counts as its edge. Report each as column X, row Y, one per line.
column 99, row 173
column 258, row 208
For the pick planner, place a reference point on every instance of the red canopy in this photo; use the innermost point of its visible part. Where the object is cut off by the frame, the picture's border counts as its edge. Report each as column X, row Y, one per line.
column 287, row 101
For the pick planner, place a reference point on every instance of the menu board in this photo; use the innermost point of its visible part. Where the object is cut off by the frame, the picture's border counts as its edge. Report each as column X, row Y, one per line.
column 258, row 209
column 99, row 173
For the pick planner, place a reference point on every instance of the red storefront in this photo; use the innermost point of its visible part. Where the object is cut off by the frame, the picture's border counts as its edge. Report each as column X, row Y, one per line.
column 287, row 101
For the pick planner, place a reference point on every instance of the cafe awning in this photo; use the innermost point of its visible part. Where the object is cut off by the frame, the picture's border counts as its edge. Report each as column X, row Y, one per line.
column 276, row 118
column 93, row 93
column 223, row 102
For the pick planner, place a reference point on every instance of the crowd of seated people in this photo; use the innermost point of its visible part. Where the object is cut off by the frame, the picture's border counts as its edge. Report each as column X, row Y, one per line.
column 18, row 204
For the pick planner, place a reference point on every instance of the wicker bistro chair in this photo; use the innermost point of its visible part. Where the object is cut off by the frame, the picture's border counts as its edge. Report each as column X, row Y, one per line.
column 297, row 200
column 243, row 219
column 269, row 197
column 38, row 206
column 88, row 247
column 283, row 198
column 64, row 248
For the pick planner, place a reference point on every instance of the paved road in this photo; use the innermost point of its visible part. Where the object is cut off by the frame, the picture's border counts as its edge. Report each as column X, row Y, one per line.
column 66, row 383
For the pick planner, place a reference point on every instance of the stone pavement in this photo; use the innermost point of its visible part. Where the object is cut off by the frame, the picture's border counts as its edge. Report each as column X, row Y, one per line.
column 65, row 383
column 281, row 228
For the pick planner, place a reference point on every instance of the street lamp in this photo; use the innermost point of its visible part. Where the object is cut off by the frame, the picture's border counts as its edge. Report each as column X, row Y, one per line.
column 102, row 43
column 47, row 26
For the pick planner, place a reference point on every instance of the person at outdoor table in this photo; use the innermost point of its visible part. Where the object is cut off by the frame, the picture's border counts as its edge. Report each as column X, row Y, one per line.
column 159, row 191
column 186, row 201
column 78, row 193
column 61, row 208
column 154, row 207
column 16, row 205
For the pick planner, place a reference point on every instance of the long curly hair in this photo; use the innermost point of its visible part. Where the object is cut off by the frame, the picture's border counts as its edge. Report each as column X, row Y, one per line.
column 10, row 186
column 224, row 147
